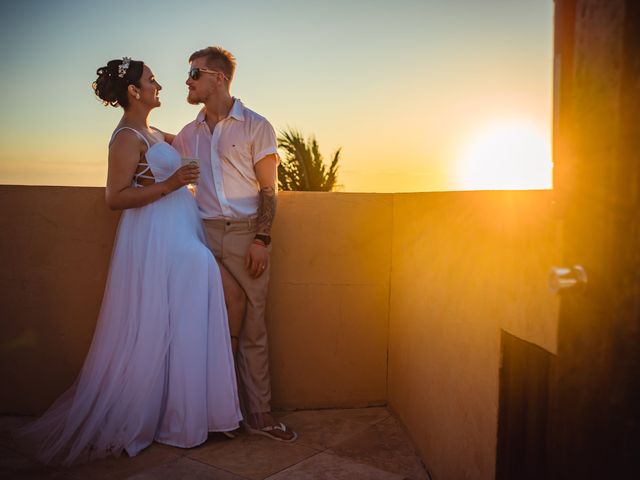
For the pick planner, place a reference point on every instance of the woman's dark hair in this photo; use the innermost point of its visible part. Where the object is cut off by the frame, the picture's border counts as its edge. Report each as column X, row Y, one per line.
column 111, row 88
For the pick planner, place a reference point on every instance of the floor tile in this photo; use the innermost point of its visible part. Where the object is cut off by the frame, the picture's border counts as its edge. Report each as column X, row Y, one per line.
column 14, row 466
column 185, row 469
column 252, row 456
column 363, row 443
column 386, row 446
column 322, row 429
column 8, row 424
column 124, row 466
column 326, row 466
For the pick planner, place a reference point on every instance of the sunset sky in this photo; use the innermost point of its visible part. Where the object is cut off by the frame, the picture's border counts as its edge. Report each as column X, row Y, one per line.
column 421, row 95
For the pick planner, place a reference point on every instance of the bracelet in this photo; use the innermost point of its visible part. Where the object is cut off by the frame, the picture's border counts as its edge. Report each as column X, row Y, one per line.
column 259, row 242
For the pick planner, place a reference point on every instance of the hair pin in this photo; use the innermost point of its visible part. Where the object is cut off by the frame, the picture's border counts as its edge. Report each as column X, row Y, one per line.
column 124, row 66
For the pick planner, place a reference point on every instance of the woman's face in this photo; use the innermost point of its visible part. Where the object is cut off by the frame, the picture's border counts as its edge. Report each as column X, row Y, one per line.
column 149, row 88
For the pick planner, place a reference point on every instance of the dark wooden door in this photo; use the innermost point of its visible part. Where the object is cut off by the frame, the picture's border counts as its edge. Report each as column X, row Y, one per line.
column 594, row 397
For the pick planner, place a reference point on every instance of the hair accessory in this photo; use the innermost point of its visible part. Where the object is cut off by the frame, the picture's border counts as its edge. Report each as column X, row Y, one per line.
column 124, row 66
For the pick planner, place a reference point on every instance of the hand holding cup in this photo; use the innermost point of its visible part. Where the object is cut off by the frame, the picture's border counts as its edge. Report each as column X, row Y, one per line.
column 187, row 174
column 194, row 165
column 191, row 162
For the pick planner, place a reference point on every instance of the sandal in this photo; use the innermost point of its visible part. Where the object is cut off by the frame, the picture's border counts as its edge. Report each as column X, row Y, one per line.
column 269, row 429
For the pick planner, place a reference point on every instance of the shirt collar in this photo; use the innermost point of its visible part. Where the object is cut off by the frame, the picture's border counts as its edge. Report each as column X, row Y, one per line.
column 200, row 117
column 237, row 111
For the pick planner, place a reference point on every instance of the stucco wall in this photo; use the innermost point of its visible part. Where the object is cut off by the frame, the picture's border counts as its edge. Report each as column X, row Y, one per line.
column 368, row 291
column 329, row 299
column 464, row 266
column 55, row 247
column 328, row 303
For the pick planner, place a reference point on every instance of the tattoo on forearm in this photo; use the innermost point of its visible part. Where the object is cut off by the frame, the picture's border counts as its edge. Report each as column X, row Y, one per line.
column 266, row 209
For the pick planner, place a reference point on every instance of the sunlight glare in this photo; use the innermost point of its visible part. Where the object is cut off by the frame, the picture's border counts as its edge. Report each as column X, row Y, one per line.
column 509, row 155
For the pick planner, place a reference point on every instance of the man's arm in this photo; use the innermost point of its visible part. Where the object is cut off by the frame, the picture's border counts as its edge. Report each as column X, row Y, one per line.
column 266, row 173
column 257, row 256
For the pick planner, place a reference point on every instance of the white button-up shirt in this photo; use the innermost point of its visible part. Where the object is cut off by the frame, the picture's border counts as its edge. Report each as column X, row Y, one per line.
column 228, row 186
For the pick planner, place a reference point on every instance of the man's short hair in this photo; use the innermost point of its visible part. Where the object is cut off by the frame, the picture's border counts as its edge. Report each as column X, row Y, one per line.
column 217, row 58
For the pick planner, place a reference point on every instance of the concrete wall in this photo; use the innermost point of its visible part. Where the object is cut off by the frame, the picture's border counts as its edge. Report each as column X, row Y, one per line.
column 329, row 299
column 464, row 266
column 55, row 247
column 328, row 304
column 369, row 293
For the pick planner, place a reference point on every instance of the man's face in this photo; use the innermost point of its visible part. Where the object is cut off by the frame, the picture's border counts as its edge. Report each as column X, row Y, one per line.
column 202, row 88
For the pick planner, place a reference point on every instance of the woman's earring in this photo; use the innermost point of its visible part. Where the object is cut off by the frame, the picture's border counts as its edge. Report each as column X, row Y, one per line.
column 137, row 96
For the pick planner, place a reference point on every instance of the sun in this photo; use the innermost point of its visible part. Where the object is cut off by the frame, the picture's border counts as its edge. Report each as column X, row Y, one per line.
column 508, row 155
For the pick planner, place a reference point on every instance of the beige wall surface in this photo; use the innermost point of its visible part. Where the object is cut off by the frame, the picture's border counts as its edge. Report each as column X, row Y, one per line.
column 414, row 285
column 329, row 299
column 328, row 303
column 55, row 247
column 464, row 266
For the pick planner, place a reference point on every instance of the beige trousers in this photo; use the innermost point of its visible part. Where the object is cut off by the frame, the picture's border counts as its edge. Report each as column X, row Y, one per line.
column 229, row 240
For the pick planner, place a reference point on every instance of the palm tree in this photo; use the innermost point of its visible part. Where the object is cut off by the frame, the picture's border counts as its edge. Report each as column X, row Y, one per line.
column 302, row 167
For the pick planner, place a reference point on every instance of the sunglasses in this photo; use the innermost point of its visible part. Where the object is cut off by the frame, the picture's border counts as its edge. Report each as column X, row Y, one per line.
column 194, row 73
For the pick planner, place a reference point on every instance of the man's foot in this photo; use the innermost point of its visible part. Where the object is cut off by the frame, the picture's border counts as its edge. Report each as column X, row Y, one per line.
column 265, row 424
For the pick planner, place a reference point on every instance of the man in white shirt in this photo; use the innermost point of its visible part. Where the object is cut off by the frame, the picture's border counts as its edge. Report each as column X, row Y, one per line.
column 236, row 195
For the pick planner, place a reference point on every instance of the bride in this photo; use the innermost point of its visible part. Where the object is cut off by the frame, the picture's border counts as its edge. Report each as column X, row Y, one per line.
column 160, row 366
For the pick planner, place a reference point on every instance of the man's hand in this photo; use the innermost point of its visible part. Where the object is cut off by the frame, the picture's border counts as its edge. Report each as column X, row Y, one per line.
column 256, row 259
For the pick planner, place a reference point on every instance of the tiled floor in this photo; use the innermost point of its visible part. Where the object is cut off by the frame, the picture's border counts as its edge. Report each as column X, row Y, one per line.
column 363, row 443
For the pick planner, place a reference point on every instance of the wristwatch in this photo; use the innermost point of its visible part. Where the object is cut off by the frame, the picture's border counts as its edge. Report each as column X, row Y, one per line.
column 266, row 239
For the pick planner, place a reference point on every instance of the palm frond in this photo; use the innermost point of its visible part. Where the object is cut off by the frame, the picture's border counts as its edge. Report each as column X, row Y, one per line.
column 302, row 166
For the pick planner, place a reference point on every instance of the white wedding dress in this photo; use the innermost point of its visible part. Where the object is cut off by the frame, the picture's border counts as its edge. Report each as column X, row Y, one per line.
column 160, row 365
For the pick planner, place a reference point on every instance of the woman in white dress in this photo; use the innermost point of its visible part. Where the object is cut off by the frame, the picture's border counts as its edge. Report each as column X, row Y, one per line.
column 160, row 366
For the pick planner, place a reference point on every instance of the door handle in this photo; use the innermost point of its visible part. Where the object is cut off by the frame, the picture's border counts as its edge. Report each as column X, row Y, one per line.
column 563, row 278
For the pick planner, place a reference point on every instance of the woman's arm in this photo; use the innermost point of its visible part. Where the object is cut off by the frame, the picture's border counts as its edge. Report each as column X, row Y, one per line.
column 124, row 155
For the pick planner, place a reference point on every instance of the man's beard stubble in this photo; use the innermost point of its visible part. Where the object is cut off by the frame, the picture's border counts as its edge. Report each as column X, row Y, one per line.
column 193, row 100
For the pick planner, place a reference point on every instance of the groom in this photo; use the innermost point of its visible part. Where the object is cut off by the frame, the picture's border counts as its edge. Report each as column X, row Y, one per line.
column 237, row 150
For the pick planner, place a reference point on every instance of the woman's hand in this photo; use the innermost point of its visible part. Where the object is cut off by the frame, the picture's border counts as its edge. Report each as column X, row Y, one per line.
column 183, row 176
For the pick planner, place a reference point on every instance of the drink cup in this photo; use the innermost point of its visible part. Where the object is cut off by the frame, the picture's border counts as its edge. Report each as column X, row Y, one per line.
column 186, row 161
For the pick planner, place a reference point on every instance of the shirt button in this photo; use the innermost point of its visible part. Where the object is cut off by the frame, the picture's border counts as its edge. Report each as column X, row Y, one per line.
column 228, row 223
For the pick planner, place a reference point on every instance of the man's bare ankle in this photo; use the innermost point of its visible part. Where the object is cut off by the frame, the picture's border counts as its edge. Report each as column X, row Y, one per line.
column 261, row 420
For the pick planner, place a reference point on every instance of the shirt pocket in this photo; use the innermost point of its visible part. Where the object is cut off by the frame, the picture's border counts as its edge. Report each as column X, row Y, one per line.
column 236, row 153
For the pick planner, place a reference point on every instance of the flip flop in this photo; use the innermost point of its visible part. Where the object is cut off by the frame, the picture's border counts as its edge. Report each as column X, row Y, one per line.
column 267, row 432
